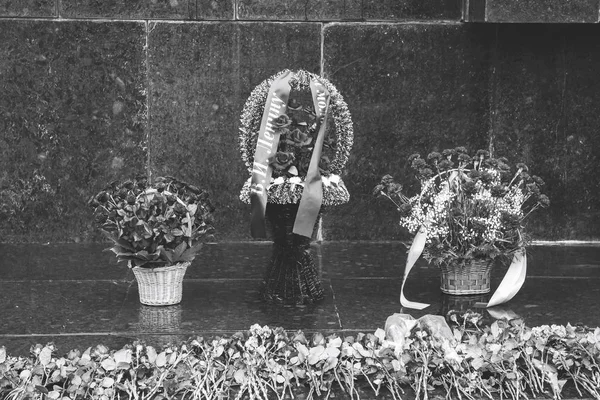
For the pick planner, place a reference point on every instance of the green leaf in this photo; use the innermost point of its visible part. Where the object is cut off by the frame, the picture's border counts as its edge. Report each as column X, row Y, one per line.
column 143, row 255
column 109, row 364
column 168, row 254
column 161, row 359
column 179, row 251
column 190, row 253
column 45, row 356
column 151, row 353
column 41, row 389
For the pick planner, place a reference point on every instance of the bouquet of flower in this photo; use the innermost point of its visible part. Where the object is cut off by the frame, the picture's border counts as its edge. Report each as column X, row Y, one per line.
column 471, row 207
column 154, row 225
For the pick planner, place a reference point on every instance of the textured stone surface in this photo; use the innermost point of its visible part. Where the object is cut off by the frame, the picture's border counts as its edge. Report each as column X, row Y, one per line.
column 67, row 261
column 200, row 77
column 545, row 115
column 411, row 9
column 215, row 9
column 562, row 286
column 547, row 11
column 217, row 305
column 126, row 9
column 27, row 8
column 50, row 307
column 299, row 10
column 422, row 87
column 72, row 114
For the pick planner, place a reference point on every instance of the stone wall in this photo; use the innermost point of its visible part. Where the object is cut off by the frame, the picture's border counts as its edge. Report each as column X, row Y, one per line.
column 93, row 91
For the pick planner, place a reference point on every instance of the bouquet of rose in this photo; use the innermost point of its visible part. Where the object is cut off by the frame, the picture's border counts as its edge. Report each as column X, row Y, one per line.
column 472, row 207
column 154, row 225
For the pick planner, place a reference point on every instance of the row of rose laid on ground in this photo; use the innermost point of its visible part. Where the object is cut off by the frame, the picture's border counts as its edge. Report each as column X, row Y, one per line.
column 505, row 360
column 296, row 135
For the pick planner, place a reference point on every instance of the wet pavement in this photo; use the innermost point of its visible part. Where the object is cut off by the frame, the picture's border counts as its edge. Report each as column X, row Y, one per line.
column 78, row 296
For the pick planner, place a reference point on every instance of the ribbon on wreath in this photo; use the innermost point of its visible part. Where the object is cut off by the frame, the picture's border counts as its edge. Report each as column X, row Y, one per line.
column 266, row 145
column 312, row 195
column 508, row 288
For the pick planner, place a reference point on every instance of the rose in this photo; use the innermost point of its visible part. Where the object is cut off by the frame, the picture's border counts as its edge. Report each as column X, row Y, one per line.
column 324, row 165
column 282, row 121
column 281, row 160
column 298, row 138
column 294, row 105
column 304, row 163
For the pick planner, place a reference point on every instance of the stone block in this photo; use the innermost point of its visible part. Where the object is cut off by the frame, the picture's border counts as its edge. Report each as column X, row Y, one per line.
column 423, row 87
column 215, row 9
column 545, row 11
column 72, row 118
column 411, row 9
column 27, row 8
column 300, row 10
column 200, row 76
column 545, row 114
column 129, row 9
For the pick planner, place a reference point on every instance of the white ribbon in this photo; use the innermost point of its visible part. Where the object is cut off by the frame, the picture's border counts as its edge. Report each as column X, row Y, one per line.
column 508, row 288
column 512, row 281
column 414, row 253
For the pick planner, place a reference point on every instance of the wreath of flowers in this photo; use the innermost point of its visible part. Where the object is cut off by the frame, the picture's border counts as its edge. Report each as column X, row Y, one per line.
column 295, row 145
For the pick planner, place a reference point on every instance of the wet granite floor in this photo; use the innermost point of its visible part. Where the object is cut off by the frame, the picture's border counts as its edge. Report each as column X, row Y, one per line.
column 78, row 296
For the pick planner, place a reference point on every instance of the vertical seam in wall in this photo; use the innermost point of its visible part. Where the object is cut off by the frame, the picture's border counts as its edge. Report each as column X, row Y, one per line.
column 148, row 138
column 492, row 95
column 235, row 9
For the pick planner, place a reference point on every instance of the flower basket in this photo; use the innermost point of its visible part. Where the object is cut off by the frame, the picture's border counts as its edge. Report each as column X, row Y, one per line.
column 157, row 229
column 472, row 277
column 469, row 212
column 160, row 286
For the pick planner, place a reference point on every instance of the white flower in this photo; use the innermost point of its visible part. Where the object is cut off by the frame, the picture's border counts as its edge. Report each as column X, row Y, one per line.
column 278, row 181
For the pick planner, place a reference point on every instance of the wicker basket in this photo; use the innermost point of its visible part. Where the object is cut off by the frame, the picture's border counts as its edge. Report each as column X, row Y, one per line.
column 160, row 286
column 468, row 278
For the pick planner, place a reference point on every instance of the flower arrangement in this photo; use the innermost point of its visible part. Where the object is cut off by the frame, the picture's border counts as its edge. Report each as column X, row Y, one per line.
column 154, row 224
column 472, row 207
column 506, row 360
column 297, row 130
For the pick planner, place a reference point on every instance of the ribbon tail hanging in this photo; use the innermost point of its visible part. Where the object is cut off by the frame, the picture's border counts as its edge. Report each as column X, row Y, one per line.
column 266, row 146
column 415, row 251
column 312, row 195
column 512, row 281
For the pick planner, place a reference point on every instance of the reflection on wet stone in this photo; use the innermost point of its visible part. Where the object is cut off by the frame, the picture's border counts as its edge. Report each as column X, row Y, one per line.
column 221, row 294
column 160, row 319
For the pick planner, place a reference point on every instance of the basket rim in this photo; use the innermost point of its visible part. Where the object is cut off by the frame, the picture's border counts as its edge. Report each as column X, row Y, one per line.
column 179, row 265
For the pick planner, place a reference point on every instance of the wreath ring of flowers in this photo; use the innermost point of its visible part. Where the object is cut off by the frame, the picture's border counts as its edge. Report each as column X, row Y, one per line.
column 289, row 190
column 252, row 114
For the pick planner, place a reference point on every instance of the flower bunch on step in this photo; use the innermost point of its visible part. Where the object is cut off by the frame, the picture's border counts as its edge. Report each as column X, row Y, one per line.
column 506, row 360
column 471, row 205
column 154, row 224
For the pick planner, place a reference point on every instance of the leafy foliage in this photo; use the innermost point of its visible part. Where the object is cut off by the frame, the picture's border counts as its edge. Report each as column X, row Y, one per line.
column 506, row 359
column 154, row 225
column 472, row 207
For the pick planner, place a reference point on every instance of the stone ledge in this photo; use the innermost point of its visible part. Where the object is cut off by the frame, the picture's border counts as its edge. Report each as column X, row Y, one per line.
column 531, row 11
